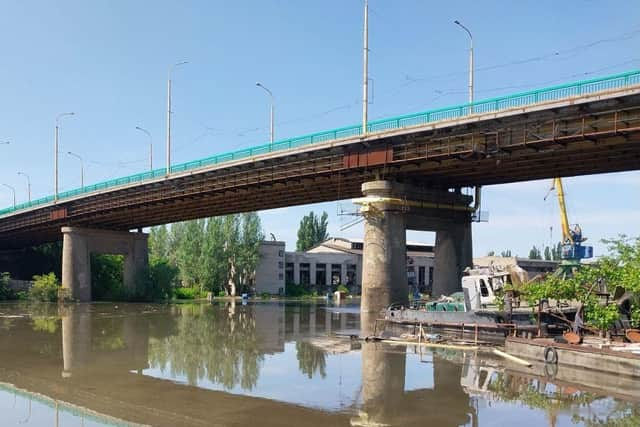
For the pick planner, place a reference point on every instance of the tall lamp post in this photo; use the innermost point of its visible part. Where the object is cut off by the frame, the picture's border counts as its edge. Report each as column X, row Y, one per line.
column 271, row 127
column 81, row 167
column 150, row 146
column 55, row 153
column 470, row 60
column 365, row 70
column 28, row 184
column 14, row 193
column 169, row 114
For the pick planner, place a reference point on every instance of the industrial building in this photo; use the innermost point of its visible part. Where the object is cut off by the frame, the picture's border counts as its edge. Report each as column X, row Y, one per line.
column 331, row 263
column 339, row 261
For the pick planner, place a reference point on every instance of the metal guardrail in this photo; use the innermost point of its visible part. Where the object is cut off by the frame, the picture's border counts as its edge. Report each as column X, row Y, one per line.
column 553, row 93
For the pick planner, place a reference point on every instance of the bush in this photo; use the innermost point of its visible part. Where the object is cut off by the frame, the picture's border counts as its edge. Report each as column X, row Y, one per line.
column 343, row 288
column 188, row 293
column 5, row 292
column 156, row 283
column 265, row 295
column 45, row 288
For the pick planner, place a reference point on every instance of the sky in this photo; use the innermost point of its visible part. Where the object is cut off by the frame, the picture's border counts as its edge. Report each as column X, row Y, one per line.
column 107, row 61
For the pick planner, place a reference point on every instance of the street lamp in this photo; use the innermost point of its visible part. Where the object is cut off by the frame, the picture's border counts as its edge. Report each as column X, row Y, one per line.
column 55, row 153
column 365, row 71
column 169, row 114
column 470, row 61
column 81, row 167
column 28, row 184
column 14, row 193
column 150, row 146
column 271, row 129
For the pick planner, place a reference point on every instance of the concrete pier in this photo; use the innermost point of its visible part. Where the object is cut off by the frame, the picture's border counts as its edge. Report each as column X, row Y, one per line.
column 390, row 208
column 80, row 243
column 384, row 259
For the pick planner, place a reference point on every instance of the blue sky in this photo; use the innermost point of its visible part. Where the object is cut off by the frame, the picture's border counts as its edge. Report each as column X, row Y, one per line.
column 107, row 61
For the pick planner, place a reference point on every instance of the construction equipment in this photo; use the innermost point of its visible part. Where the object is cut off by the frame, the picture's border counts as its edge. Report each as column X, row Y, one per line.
column 572, row 248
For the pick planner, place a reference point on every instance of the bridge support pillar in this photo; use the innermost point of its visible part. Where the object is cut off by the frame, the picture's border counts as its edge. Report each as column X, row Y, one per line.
column 384, row 259
column 453, row 253
column 80, row 243
column 389, row 209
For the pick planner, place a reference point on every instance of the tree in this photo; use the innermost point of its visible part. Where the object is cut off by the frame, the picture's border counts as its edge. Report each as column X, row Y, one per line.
column 159, row 242
column 506, row 254
column 248, row 250
column 189, row 253
column 215, row 269
column 231, row 234
column 312, row 231
column 491, row 253
column 534, row 253
column 547, row 253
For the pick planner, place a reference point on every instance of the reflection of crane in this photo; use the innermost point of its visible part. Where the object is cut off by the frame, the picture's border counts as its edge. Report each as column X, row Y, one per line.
column 572, row 248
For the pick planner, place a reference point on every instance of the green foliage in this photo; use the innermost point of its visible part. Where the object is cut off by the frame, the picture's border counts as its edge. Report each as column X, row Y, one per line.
column 535, row 253
column 506, row 254
column 621, row 268
column 299, row 291
column 217, row 254
column 45, row 288
column 45, row 324
column 635, row 316
column 342, row 288
column 265, row 295
column 312, row 231
column 214, row 342
column 188, row 293
column 107, row 283
column 5, row 292
column 156, row 283
column 311, row 359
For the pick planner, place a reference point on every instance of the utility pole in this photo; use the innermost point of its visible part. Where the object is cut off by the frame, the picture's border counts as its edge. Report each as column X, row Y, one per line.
column 169, row 115
column 150, row 146
column 55, row 154
column 271, row 125
column 28, row 184
column 365, row 74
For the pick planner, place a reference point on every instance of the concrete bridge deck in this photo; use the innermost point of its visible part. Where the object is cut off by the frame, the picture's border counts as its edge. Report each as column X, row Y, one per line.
column 584, row 132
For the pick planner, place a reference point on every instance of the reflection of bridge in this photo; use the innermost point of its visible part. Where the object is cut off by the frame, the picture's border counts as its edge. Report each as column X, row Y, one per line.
column 581, row 128
column 96, row 362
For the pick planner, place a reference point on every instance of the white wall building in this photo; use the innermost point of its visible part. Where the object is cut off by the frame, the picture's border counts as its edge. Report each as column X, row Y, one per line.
column 333, row 262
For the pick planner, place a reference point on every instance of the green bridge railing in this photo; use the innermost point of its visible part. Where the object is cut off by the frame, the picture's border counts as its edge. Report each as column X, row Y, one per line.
column 553, row 93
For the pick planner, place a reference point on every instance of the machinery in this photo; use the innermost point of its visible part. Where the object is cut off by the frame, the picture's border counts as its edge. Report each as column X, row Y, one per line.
column 572, row 248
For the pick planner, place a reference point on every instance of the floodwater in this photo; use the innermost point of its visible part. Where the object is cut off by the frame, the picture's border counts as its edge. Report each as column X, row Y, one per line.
column 265, row 364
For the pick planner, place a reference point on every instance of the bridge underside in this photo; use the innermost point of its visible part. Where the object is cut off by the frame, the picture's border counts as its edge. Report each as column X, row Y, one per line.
column 599, row 136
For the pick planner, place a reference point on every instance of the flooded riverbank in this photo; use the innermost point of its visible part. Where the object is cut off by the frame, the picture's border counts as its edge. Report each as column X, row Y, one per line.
column 264, row 363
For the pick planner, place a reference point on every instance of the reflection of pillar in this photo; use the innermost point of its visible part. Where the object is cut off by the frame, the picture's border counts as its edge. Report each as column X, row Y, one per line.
column 384, row 270
column 296, row 322
column 76, row 337
column 312, row 320
column 383, row 383
column 136, row 339
column 327, row 276
column 327, row 320
column 453, row 253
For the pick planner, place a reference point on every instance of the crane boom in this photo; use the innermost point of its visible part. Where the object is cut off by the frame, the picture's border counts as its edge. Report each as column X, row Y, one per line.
column 564, row 219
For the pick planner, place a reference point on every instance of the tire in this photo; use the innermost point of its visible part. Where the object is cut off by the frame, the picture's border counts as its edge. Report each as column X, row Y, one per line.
column 550, row 355
column 550, row 370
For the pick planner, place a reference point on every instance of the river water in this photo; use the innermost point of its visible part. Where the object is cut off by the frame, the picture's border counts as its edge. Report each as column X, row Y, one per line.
column 265, row 364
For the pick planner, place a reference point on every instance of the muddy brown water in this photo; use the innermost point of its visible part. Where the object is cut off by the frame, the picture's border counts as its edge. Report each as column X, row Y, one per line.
column 263, row 364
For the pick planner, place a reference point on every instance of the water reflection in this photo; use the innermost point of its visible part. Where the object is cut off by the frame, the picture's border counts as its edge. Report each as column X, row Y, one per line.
column 274, row 362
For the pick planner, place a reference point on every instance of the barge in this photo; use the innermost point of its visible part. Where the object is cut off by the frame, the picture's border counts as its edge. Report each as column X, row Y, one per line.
column 615, row 358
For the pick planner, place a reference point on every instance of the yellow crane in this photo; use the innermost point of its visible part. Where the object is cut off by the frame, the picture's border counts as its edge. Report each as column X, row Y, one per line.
column 572, row 248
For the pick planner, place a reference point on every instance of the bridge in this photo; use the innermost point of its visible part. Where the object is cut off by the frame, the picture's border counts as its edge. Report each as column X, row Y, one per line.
column 410, row 168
